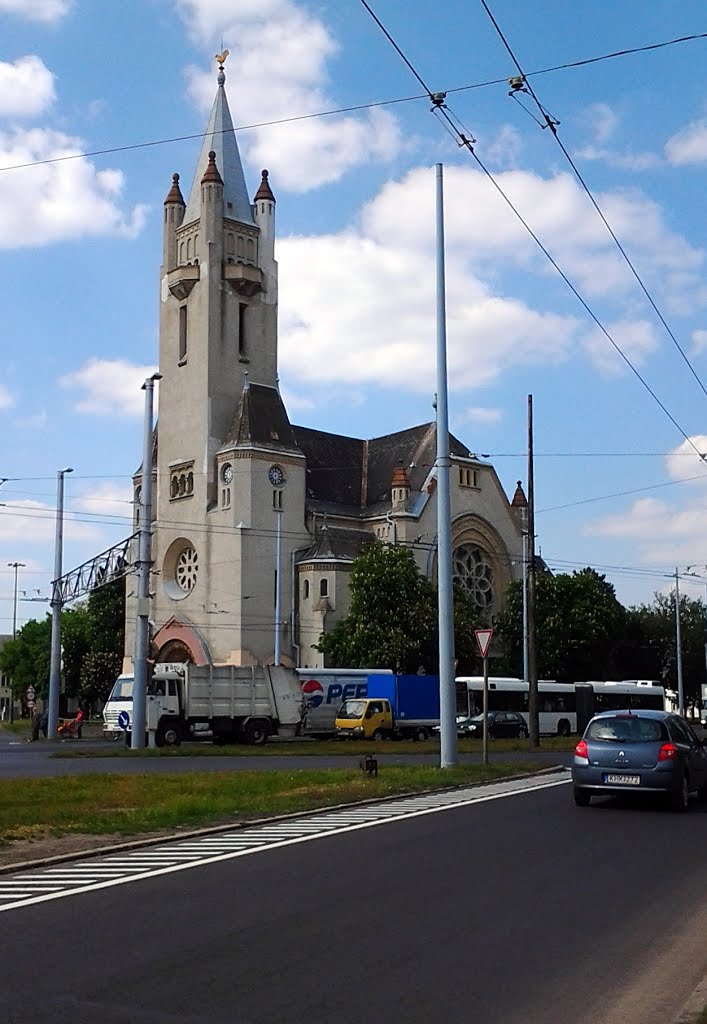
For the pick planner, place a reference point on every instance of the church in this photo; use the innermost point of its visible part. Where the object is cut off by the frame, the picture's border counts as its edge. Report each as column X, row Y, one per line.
column 256, row 521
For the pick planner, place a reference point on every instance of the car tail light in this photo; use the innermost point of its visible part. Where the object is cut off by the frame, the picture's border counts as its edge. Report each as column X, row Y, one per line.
column 582, row 750
column 668, row 752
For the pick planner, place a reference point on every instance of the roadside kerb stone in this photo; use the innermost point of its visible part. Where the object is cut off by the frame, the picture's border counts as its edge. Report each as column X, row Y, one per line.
column 133, row 844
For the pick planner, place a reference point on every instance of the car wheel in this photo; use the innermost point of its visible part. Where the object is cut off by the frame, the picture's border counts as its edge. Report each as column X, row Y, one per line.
column 421, row 734
column 522, row 733
column 378, row 735
column 563, row 727
column 680, row 798
column 582, row 797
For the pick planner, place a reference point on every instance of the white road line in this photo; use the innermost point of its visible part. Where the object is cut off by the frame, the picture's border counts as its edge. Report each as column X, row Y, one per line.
column 475, row 797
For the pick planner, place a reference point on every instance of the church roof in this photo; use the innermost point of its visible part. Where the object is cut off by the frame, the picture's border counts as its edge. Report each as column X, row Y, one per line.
column 357, row 474
column 221, row 139
column 264, row 191
column 519, row 498
column 261, row 421
column 334, row 544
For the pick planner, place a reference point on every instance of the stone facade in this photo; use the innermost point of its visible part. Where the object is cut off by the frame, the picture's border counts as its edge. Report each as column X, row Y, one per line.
column 235, row 483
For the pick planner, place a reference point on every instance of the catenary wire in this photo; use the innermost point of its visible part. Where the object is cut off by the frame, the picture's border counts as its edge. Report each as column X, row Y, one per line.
column 551, row 123
column 355, row 107
column 439, row 108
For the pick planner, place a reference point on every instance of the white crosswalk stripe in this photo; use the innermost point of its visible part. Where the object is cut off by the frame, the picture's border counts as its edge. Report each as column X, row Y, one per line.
column 38, row 885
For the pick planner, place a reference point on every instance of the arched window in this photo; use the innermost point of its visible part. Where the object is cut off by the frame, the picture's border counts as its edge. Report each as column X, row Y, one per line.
column 188, row 249
column 305, row 589
column 473, row 571
column 324, row 587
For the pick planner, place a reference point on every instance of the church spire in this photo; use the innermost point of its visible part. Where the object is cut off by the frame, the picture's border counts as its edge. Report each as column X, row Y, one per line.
column 220, row 139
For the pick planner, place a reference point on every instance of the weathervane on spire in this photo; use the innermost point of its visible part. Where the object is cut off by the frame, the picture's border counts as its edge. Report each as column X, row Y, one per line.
column 221, row 58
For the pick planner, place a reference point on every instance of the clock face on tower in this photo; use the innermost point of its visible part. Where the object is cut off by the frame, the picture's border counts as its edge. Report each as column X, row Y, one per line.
column 276, row 476
column 227, row 473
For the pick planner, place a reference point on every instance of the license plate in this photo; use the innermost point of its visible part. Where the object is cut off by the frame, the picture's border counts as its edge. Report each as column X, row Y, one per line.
column 622, row 780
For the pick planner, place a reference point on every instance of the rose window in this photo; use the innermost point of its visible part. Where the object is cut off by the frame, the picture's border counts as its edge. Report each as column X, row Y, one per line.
column 472, row 571
column 186, row 569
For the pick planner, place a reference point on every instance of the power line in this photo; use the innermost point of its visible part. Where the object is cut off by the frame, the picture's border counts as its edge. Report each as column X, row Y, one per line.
column 150, row 143
column 552, row 124
column 622, row 494
column 466, row 141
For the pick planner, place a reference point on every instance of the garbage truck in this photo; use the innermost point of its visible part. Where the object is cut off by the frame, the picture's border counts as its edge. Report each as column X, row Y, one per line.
column 230, row 703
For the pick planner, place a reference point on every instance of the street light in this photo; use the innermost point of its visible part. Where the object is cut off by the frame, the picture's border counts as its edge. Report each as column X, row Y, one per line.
column 144, row 563
column 56, row 603
column 15, row 566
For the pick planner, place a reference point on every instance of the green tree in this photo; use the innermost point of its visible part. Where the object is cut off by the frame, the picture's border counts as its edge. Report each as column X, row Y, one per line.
column 25, row 660
column 580, row 626
column 92, row 638
column 650, row 650
column 392, row 622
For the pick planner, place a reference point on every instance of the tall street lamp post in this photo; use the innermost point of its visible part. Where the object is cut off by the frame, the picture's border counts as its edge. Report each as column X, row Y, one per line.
column 15, row 566
column 56, row 603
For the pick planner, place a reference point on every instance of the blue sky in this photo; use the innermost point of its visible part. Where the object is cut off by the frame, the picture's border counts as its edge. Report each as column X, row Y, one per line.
column 80, row 248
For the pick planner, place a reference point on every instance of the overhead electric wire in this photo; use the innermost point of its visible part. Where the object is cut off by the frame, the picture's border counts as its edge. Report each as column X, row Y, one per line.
column 552, row 125
column 106, row 151
column 438, row 107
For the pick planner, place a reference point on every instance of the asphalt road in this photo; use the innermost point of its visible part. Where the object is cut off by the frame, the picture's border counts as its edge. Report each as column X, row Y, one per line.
column 522, row 909
column 36, row 760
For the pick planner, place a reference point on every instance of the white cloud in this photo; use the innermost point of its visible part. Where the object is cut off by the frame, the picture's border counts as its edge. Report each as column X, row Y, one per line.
column 48, row 203
column 279, row 68
column 32, row 522
column 26, row 87
column 699, row 342
column 110, row 498
column 689, row 145
column 358, row 306
column 635, row 338
column 47, row 11
column 603, row 121
column 6, row 399
column 109, row 387
column 482, row 415
column 684, row 461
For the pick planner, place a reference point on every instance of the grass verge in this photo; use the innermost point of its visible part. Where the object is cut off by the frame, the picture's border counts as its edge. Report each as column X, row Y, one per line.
column 309, row 748
column 132, row 804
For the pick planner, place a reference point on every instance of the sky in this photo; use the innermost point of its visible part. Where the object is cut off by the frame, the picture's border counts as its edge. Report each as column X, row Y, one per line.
column 619, row 482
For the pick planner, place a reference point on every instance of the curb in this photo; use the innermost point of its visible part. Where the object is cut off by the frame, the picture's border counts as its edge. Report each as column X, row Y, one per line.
column 135, row 844
column 694, row 1006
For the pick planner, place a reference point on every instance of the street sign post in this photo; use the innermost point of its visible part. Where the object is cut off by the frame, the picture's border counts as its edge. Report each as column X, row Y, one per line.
column 483, row 642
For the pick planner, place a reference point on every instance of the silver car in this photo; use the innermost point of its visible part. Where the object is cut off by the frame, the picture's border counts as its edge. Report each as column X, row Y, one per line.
column 639, row 752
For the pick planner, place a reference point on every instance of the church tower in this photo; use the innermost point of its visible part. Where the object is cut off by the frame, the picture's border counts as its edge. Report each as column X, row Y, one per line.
column 230, row 476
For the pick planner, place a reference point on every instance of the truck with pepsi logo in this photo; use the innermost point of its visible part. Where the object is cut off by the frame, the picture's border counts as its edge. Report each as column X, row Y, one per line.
column 325, row 690
column 395, row 707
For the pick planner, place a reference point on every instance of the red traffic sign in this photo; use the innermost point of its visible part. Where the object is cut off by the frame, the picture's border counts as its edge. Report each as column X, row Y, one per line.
column 483, row 640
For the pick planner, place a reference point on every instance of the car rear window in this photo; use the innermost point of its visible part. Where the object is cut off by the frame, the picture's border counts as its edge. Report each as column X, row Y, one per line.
column 626, row 729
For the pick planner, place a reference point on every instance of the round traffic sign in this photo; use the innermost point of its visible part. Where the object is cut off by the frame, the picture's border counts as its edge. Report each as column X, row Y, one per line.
column 124, row 720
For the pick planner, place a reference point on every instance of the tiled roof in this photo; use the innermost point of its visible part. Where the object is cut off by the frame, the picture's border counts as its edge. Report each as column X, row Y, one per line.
column 356, row 474
column 261, row 420
column 337, row 544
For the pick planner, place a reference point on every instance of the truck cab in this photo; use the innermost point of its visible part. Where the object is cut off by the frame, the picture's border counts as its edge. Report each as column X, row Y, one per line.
column 365, row 719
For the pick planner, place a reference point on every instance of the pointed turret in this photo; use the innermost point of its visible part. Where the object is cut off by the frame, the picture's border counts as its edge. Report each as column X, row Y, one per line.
column 264, row 211
column 400, row 487
column 519, row 498
column 173, row 217
column 220, row 139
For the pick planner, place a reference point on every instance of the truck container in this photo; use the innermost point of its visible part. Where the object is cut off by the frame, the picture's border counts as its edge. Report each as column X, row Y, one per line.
column 245, row 704
column 325, row 690
column 395, row 707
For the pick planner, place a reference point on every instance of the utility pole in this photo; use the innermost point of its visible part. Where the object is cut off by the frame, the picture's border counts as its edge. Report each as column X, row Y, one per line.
column 56, row 604
column 447, row 692
column 278, row 586
column 15, row 566
column 678, row 644
column 144, row 562
column 533, row 719
column 524, row 528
